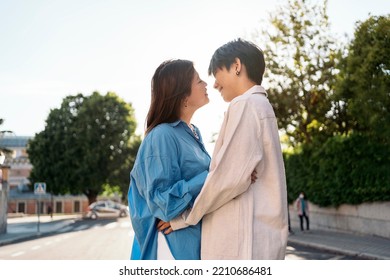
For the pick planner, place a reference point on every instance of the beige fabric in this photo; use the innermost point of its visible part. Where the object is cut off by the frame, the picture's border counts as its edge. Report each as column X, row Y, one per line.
column 179, row 222
column 243, row 220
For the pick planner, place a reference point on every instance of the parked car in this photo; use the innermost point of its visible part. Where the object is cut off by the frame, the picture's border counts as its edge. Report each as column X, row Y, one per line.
column 106, row 209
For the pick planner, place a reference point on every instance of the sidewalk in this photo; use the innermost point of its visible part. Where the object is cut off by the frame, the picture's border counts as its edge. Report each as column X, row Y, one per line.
column 25, row 228
column 365, row 246
column 370, row 247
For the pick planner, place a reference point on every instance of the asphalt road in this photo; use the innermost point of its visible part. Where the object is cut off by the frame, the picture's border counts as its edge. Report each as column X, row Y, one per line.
column 111, row 239
column 108, row 239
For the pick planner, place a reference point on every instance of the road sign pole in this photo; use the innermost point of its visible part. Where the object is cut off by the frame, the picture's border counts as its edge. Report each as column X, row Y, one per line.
column 39, row 189
column 39, row 210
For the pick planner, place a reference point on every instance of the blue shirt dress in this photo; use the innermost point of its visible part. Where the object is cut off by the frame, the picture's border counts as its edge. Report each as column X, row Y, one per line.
column 169, row 172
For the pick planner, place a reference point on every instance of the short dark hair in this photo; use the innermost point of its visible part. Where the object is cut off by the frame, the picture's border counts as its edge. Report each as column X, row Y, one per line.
column 249, row 54
column 171, row 84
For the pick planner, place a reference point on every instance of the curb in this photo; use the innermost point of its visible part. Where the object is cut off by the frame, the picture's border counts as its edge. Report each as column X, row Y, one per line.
column 20, row 237
column 335, row 250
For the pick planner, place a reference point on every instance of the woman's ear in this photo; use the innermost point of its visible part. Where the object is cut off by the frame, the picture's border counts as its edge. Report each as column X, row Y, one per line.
column 185, row 102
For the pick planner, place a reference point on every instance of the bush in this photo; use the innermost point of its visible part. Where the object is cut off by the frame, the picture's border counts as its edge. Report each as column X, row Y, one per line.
column 351, row 170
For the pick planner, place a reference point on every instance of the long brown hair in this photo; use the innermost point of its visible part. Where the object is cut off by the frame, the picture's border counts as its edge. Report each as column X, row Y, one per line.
column 171, row 84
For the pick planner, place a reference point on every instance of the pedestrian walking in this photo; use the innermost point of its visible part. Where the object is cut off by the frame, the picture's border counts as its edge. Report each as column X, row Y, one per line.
column 303, row 210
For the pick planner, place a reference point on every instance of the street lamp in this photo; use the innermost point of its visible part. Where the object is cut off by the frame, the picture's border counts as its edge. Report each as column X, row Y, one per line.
column 3, row 194
column 2, row 159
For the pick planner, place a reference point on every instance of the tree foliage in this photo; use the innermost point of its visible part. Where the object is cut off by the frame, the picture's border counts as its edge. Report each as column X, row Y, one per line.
column 301, row 59
column 344, row 170
column 364, row 81
column 87, row 142
column 353, row 168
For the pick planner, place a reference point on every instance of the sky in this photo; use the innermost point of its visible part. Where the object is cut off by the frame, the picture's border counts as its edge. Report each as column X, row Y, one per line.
column 52, row 49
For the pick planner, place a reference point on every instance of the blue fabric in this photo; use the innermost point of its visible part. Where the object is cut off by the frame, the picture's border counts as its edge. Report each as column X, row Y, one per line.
column 168, row 174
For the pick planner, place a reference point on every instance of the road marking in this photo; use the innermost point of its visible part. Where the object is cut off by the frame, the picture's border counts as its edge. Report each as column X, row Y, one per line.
column 111, row 225
column 65, row 237
column 18, row 254
column 125, row 224
column 336, row 258
column 36, row 247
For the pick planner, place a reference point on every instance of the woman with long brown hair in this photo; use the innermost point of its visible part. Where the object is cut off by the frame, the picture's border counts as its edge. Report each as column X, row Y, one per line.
column 171, row 166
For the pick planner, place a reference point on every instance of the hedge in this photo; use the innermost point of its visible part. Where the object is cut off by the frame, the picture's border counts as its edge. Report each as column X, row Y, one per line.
column 343, row 170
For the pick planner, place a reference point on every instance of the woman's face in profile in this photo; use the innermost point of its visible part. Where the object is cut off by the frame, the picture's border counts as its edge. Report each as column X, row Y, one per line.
column 198, row 96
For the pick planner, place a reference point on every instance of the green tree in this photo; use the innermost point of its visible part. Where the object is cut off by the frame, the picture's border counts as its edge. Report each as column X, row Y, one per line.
column 345, row 169
column 301, row 58
column 88, row 142
column 364, row 85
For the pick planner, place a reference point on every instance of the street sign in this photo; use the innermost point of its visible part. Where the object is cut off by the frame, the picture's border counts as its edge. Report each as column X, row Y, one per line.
column 40, row 188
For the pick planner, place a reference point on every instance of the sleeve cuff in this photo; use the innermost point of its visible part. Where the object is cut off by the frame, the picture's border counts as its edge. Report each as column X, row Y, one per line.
column 179, row 222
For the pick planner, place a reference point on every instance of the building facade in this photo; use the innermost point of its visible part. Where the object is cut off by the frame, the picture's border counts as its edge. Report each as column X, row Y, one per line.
column 21, row 196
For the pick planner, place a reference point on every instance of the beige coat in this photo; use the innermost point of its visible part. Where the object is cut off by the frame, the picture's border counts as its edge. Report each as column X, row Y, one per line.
column 243, row 220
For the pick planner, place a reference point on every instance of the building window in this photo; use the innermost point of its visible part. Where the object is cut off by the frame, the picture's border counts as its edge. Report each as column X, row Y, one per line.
column 59, row 207
column 21, row 208
column 77, row 206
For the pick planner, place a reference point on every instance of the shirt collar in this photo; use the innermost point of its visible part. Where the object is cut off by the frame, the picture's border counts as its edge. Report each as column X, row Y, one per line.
column 176, row 123
column 256, row 89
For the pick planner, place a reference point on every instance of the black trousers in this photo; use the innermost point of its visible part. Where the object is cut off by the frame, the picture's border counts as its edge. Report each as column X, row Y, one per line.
column 307, row 220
